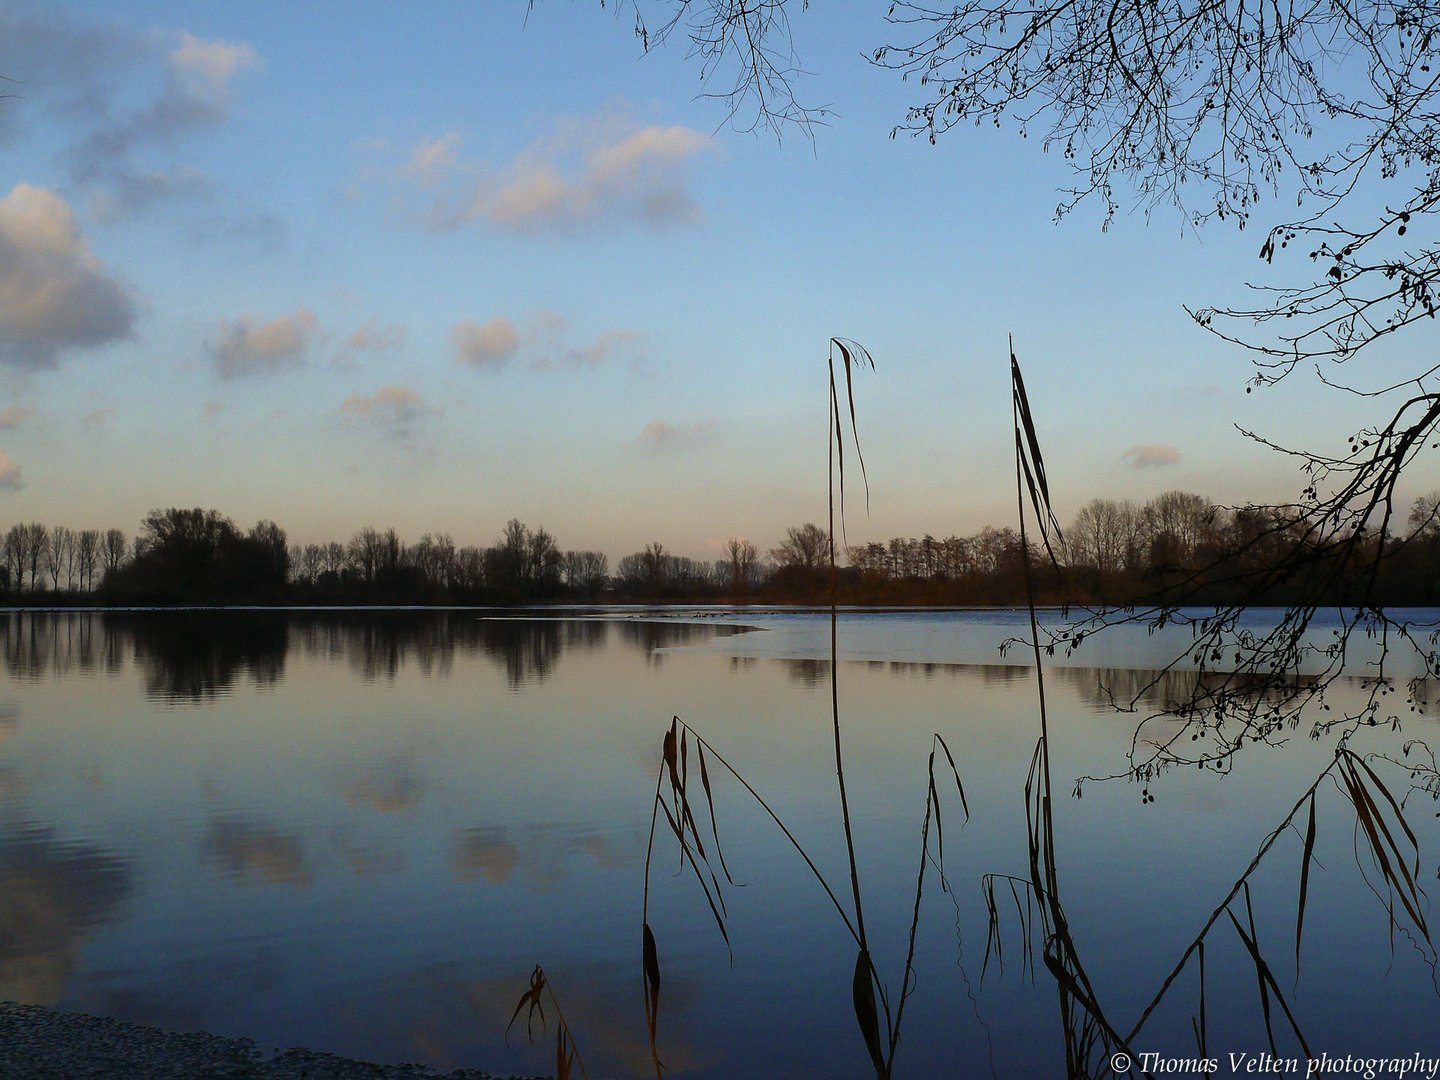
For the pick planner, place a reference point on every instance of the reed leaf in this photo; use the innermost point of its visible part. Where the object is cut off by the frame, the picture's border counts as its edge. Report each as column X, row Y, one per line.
column 1399, row 872
column 567, row 1051
column 710, row 803
column 852, row 356
column 1305, row 859
column 1032, row 462
column 1252, row 943
column 650, row 964
column 1201, row 1030
column 955, row 772
column 713, row 899
column 862, row 986
column 531, row 998
column 1268, row 986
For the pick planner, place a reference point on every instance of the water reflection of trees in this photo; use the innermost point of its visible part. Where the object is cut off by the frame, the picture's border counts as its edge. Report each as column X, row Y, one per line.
column 197, row 655
column 1146, row 690
column 193, row 656
column 41, row 643
column 651, row 635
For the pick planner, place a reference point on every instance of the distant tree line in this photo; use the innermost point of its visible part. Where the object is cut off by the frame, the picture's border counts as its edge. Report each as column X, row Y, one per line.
column 1114, row 552
column 1117, row 552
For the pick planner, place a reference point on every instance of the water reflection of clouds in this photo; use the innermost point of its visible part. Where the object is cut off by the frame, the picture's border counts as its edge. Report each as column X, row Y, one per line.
column 52, row 895
column 450, row 1017
column 253, row 852
column 13, row 783
column 188, row 993
column 367, row 860
column 484, row 853
column 541, row 856
column 389, row 787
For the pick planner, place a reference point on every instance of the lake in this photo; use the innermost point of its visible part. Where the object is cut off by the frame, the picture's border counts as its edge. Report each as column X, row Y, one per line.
column 359, row 831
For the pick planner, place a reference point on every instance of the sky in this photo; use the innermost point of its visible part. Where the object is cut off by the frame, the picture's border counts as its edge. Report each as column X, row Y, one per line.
column 437, row 266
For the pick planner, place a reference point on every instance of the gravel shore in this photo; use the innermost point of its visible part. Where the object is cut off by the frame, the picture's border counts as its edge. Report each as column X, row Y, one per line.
column 37, row 1043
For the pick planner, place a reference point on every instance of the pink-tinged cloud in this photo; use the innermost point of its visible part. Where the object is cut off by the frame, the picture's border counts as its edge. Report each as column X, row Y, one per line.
column 9, row 474
column 585, row 174
column 484, row 345
column 97, row 418
column 551, row 351
column 604, row 346
column 1151, row 456
column 372, row 338
column 397, row 410
column 54, row 295
column 12, row 416
column 246, row 347
column 662, row 434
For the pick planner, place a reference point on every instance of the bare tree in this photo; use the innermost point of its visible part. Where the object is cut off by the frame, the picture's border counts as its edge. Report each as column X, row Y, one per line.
column 87, row 555
column 310, row 561
column 363, row 553
column 586, row 571
column 805, row 546
column 59, row 545
column 741, row 556
column 112, row 549
column 1425, row 516
column 272, row 544
column 36, row 545
column 333, row 558
column 470, row 567
column 655, row 564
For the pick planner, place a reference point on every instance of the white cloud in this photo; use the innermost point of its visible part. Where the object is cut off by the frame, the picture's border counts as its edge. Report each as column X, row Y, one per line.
column 244, row 347
column 397, row 410
column 203, row 69
column 12, row 416
column 489, row 345
column 589, row 173
column 1151, row 455
column 661, row 434
column 9, row 474
column 54, row 295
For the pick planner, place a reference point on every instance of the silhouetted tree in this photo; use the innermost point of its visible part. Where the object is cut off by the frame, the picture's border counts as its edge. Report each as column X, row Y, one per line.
column 586, row 571
column 805, row 547
column 112, row 549
column 87, row 555
column 741, row 555
column 58, row 548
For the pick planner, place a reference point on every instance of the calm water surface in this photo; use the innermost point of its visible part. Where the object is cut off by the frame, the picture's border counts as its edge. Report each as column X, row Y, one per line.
column 360, row 831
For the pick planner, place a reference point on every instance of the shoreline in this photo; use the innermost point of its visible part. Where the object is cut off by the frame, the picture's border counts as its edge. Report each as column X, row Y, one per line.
column 39, row 1043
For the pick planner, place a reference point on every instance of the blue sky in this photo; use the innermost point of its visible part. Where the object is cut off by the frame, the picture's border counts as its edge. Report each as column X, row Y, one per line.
column 436, row 266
